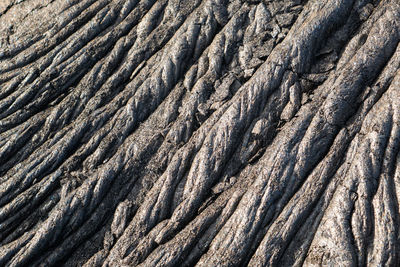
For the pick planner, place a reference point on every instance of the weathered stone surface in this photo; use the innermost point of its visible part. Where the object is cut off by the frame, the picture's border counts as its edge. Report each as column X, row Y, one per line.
column 199, row 133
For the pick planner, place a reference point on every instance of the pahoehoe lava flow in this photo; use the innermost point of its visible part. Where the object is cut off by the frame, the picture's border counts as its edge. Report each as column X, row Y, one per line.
column 199, row 133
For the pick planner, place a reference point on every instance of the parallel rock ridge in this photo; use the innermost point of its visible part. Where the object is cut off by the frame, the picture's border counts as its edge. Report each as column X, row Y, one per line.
column 199, row 133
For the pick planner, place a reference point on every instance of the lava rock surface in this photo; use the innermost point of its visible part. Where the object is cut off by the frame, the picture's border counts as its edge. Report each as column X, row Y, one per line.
column 199, row 133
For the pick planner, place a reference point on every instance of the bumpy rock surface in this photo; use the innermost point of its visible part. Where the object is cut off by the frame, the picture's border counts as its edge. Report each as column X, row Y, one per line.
column 199, row 133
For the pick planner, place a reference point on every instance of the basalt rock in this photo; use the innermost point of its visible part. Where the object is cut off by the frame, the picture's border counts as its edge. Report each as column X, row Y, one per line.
column 199, row 133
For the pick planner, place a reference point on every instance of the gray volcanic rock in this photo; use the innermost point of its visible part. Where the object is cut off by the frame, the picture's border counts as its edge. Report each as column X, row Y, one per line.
column 199, row 133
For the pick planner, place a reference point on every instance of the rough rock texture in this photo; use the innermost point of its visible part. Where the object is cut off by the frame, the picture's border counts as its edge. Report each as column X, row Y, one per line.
column 199, row 133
